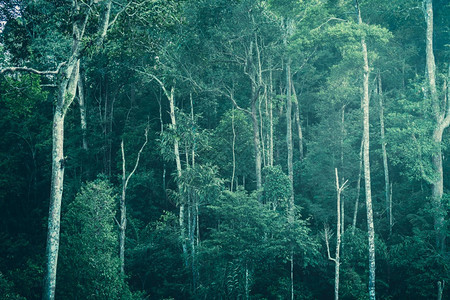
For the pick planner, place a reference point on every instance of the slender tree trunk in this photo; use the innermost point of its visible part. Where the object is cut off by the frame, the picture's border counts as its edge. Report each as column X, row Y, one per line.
column 256, row 139
column 440, row 286
column 123, row 206
column 123, row 214
column 370, row 225
column 299, row 123
column 247, row 284
column 83, row 117
column 338, row 237
column 261, row 134
column 385, row 160
column 358, row 187
column 342, row 200
column 178, row 164
column 391, row 220
column 291, row 212
column 289, row 139
column 162, row 132
column 233, row 150
column 270, row 118
column 292, row 274
column 336, row 259
column 171, row 97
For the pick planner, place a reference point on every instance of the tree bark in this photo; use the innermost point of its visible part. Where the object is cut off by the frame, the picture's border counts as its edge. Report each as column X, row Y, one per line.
column 299, row 123
column 256, row 139
column 289, row 139
column 66, row 95
column 358, row 187
column 233, row 150
column 385, row 160
column 123, row 206
column 370, row 225
column 83, row 118
column 270, row 118
column 442, row 119
column 171, row 98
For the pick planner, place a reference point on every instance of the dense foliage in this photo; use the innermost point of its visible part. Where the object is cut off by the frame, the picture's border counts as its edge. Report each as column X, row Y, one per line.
column 233, row 96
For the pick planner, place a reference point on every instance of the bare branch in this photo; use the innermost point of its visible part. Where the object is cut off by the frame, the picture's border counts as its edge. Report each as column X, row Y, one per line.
column 119, row 13
column 326, row 232
column 31, row 70
column 327, row 21
column 138, row 156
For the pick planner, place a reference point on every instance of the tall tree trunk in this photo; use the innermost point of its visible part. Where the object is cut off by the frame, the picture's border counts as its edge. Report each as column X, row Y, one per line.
column 66, row 95
column 123, row 206
column 442, row 119
column 358, row 187
column 289, row 139
column 338, row 238
column 299, row 123
column 270, row 117
column 83, row 118
column 256, row 139
column 339, row 188
column 291, row 212
column 233, row 150
column 342, row 166
column 171, row 98
column 387, row 195
column 370, row 226
column 440, row 286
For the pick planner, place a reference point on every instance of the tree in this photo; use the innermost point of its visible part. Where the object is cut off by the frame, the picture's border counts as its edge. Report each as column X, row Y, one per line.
column 91, row 267
column 67, row 74
column 123, row 207
column 337, row 257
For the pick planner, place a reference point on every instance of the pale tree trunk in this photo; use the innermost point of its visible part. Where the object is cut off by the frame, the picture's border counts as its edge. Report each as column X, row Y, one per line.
column 342, row 166
column 289, row 139
column 171, row 97
column 336, row 259
column 270, row 118
column 83, row 118
column 442, row 119
column 123, row 206
column 387, row 194
column 370, row 226
column 358, row 187
column 299, row 123
column 247, row 284
column 256, row 139
column 267, row 124
column 162, row 132
column 178, row 164
column 233, row 150
column 440, row 286
column 291, row 211
column 66, row 94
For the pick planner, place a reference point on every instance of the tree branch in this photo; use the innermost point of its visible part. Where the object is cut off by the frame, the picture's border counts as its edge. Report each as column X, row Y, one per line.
column 31, row 70
column 138, row 156
column 326, row 230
